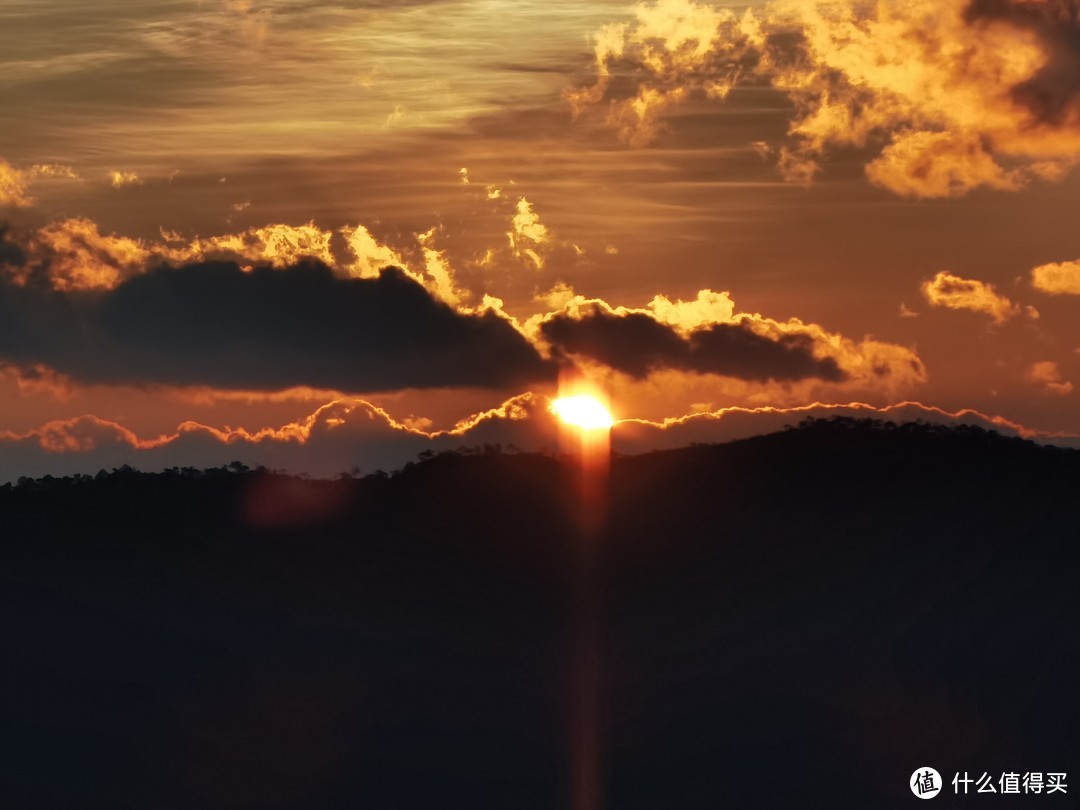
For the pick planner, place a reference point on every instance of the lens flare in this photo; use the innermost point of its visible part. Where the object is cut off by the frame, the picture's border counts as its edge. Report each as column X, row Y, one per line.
column 584, row 412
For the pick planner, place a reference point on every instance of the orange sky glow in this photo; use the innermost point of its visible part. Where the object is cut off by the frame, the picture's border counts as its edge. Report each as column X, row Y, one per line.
column 323, row 236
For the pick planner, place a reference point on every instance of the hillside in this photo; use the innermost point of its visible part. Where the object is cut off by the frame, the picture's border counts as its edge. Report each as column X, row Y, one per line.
column 796, row 620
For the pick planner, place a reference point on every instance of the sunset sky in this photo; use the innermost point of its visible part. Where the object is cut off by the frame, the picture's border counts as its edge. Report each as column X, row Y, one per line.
column 726, row 217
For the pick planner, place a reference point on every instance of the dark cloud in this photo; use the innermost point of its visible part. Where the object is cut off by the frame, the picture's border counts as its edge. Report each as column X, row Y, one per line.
column 10, row 253
column 217, row 325
column 636, row 344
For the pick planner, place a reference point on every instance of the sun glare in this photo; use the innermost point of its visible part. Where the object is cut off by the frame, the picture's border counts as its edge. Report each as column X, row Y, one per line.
column 584, row 412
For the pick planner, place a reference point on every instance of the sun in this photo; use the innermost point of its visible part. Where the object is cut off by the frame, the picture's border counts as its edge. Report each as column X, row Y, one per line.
column 583, row 411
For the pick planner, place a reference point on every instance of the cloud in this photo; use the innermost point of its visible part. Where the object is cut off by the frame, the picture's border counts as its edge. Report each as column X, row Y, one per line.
column 953, row 292
column 1062, row 278
column 945, row 96
column 216, row 324
column 15, row 183
column 369, row 255
column 12, row 254
column 528, row 235
column 1047, row 375
column 729, row 424
column 335, row 437
column 119, row 179
column 13, row 186
column 279, row 245
column 440, row 275
column 345, row 433
column 73, row 254
column 82, row 434
column 636, row 344
column 53, row 170
column 707, row 336
column 939, row 164
column 90, row 307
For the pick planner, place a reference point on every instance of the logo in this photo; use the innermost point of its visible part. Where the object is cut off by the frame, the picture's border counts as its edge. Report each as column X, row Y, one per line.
column 925, row 783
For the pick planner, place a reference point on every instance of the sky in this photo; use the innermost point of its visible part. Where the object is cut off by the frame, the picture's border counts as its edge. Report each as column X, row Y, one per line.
column 329, row 236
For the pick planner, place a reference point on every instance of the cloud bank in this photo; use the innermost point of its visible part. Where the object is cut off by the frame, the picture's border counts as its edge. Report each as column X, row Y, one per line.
column 636, row 344
column 218, row 325
column 706, row 336
column 346, row 434
column 942, row 96
column 284, row 306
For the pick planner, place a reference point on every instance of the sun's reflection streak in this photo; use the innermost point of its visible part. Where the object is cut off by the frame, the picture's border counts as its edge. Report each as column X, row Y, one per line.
column 586, row 434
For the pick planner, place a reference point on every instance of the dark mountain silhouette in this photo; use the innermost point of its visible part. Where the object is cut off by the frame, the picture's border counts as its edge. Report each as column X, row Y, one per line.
column 793, row 621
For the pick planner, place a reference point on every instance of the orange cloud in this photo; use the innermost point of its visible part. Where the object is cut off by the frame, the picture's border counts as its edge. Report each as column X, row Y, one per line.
column 83, row 434
column 1062, row 278
column 939, row 164
column 369, row 256
column 15, row 183
column 440, row 278
column 953, row 292
column 13, row 186
column 119, row 179
column 279, row 245
column 1047, row 375
column 38, row 380
column 528, row 235
column 74, row 255
column 344, row 433
column 951, row 95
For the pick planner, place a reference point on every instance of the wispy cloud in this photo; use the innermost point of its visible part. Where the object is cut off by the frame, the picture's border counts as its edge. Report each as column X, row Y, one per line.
column 15, row 183
column 119, row 179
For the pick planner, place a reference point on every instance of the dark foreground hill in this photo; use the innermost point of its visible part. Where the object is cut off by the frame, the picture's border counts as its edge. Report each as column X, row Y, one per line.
column 795, row 621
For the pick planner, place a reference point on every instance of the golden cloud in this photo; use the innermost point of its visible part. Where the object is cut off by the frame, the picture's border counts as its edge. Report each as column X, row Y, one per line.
column 13, row 186
column 528, row 234
column 1062, row 278
column 440, row 278
column 279, row 245
column 951, row 95
column 53, row 170
column 119, row 179
column 953, row 292
column 75, row 255
column 15, row 183
column 369, row 255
